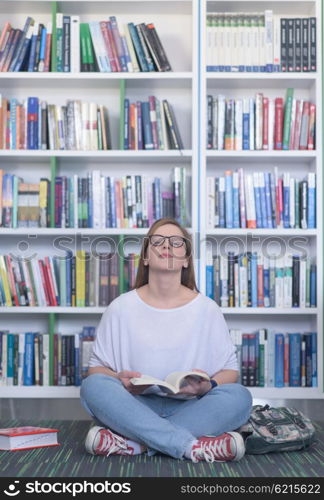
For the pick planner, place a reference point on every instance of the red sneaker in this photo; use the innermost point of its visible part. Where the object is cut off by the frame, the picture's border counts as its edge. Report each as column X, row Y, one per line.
column 223, row 448
column 102, row 441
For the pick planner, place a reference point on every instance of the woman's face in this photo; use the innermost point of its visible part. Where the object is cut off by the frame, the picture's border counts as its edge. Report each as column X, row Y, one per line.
column 167, row 254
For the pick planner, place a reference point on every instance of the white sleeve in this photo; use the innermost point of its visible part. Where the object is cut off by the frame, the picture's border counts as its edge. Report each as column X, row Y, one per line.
column 103, row 346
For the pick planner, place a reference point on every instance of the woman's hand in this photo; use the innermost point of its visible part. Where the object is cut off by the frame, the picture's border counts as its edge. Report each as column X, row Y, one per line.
column 196, row 387
column 125, row 375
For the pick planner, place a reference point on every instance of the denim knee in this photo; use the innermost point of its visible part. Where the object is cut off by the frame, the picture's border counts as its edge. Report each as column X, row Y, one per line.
column 242, row 397
column 90, row 383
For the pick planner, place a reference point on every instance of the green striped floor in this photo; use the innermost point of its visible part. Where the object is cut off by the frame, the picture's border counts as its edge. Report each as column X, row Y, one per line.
column 71, row 460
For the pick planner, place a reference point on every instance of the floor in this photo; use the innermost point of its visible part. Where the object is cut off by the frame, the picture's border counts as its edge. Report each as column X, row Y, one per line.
column 70, row 459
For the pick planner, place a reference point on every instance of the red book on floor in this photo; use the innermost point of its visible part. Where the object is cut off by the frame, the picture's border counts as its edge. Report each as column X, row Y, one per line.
column 25, row 438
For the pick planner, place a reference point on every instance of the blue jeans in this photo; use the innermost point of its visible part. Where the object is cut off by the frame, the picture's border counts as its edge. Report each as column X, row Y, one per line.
column 164, row 424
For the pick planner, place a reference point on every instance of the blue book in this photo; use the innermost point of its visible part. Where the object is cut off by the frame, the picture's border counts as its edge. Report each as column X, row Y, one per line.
column 113, row 202
column 126, row 124
column 42, row 50
column 246, row 131
column 263, row 199
column 279, row 360
column 236, row 201
column 10, row 358
column 294, row 359
column 286, row 195
column 28, row 23
column 157, row 195
column 32, row 53
column 313, row 285
column 24, row 52
column 257, row 197
column 28, row 372
column 314, row 359
column 221, row 201
column 139, row 125
column 266, row 286
column 229, row 200
column 68, row 271
column 254, row 279
column 210, row 281
column 138, row 47
column 311, row 205
column 32, row 123
column 13, row 123
column 127, row 54
column 147, row 127
column 268, row 201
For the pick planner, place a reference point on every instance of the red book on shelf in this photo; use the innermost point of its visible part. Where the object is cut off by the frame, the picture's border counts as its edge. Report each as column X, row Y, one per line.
column 311, row 127
column 279, row 115
column 299, row 110
column 50, row 281
column 265, row 128
column 25, row 438
column 11, row 280
column 47, row 52
column 42, row 273
column 108, row 45
column 260, row 289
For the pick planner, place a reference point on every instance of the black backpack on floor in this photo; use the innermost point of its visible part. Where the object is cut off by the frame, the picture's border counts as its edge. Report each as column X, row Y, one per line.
column 276, row 429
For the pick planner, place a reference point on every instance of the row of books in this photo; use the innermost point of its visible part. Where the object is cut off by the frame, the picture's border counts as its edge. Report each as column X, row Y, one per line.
column 260, row 123
column 80, row 125
column 150, row 125
column 261, row 200
column 260, row 42
column 32, row 359
column 268, row 358
column 252, row 279
column 95, row 46
column 81, row 279
column 95, row 201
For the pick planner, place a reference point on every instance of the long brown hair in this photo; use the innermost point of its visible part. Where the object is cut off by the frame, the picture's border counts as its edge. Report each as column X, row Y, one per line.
column 187, row 274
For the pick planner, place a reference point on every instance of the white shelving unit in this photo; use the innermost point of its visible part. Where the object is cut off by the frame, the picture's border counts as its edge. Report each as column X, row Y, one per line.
column 182, row 27
column 214, row 163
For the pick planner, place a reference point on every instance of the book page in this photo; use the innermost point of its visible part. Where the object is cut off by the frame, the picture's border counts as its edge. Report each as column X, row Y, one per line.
column 148, row 380
column 177, row 379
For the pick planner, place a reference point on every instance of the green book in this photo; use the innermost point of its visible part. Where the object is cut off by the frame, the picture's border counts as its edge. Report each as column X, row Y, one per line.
column 59, row 42
column 54, row 40
column 287, row 119
column 89, row 48
column 121, row 114
column 261, row 365
column 63, row 298
column 308, row 283
column 297, row 208
column 99, row 129
column 83, row 48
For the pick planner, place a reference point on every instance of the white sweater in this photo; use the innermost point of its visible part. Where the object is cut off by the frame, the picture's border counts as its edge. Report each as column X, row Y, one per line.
column 132, row 335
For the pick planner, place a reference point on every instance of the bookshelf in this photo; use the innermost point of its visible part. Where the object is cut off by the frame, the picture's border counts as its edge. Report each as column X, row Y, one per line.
column 181, row 24
column 215, row 162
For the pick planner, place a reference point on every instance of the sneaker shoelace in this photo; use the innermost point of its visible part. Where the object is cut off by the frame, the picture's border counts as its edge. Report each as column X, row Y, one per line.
column 112, row 443
column 208, row 450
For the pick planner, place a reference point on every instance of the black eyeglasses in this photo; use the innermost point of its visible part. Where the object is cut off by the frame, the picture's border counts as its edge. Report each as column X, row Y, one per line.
column 175, row 241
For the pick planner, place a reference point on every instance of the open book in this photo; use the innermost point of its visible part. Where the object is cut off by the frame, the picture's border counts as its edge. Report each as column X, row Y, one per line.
column 172, row 383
